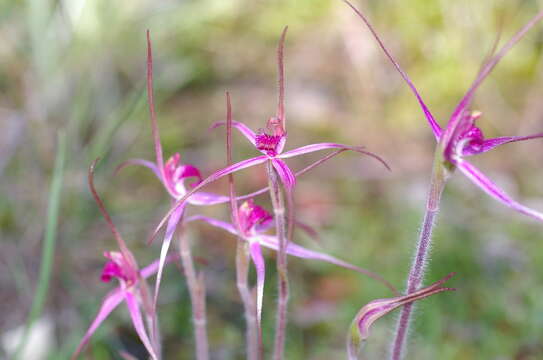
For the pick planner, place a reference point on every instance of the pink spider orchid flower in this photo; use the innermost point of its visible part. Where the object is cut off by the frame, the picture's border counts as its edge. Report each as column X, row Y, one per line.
column 271, row 146
column 254, row 221
column 272, row 142
column 461, row 138
column 371, row 312
column 132, row 287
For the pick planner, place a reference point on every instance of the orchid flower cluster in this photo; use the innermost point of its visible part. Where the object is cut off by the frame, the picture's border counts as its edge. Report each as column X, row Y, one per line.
column 254, row 227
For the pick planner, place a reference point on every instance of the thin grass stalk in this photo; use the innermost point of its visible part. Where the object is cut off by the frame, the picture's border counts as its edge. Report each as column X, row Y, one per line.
column 48, row 249
column 281, row 230
column 420, row 261
column 197, row 291
column 253, row 329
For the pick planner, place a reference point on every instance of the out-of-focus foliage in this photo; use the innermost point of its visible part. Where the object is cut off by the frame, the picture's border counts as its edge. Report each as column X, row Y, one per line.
column 80, row 65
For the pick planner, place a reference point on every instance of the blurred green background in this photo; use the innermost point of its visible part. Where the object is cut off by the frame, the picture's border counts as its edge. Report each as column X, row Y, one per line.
column 79, row 66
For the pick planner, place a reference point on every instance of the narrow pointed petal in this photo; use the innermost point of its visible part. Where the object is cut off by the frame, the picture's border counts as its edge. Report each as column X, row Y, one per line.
column 281, row 80
column 285, row 174
column 152, row 268
column 490, row 144
column 170, row 229
column 488, row 186
column 243, row 129
column 152, row 113
column 211, row 178
column 360, row 327
column 457, row 116
column 301, row 252
column 205, row 198
column 214, row 222
column 111, row 301
column 436, row 129
column 323, row 146
column 140, row 162
column 137, row 321
column 260, row 267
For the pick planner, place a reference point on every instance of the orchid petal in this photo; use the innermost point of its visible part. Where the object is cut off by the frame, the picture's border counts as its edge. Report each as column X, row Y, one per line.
column 213, row 222
column 243, row 129
column 140, row 162
column 323, row 146
column 110, row 302
column 436, row 129
column 152, row 112
column 490, row 144
column 301, row 252
column 260, row 267
column 152, row 268
column 457, row 115
column 137, row 321
column 285, row 174
column 488, row 186
column 170, row 229
column 211, row 178
column 205, row 198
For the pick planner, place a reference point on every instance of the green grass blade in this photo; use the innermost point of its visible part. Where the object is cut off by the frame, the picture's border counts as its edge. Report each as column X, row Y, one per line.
column 48, row 249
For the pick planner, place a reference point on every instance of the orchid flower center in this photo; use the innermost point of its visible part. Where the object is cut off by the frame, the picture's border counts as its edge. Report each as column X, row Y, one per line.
column 470, row 141
column 118, row 268
column 268, row 144
column 253, row 218
column 175, row 174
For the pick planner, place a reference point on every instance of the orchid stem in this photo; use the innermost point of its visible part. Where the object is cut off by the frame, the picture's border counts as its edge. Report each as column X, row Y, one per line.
column 253, row 333
column 197, row 291
column 281, row 230
column 418, row 267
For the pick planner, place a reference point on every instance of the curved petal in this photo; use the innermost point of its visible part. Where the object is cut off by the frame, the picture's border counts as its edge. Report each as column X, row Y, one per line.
column 140, row 162
column 260, row 267
column 211, row 178
column 436, row 129
column 110, row 302
column 285, row 174
column 243, row 129
column 456, row 118
column 301, row 252
column 488, row 186
column 214, row 222
column 170, row 229
column 490, row 144
column 135, row 314
column 323, row 146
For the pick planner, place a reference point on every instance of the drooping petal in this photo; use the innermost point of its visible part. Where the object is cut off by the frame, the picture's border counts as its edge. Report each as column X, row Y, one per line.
column 170, row 229
column 211, row 178
column 360, row 327
column 285, row 174
column 488, row 186
column 243, row 129
column 490, row 144
column 140, row 162
column 323, row 146
column 260, row 267
column 137, row 321
column 436, row 129
column 110, row 302
column 301, row 252
column 214, row 222
column 458, row 114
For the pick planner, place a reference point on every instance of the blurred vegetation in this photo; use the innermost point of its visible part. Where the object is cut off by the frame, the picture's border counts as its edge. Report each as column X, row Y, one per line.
column 80, row 65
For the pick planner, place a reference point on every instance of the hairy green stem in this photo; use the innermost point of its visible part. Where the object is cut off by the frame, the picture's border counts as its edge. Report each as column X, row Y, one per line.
column 420, row 261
